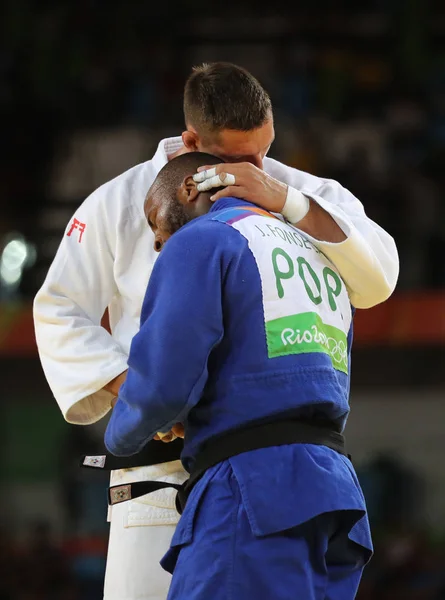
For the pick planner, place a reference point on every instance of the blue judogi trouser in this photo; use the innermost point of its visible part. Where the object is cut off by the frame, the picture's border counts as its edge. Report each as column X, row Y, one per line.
column 224, row 560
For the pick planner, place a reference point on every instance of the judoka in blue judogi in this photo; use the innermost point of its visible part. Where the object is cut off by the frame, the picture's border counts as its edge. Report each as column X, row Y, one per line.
column 245, row 321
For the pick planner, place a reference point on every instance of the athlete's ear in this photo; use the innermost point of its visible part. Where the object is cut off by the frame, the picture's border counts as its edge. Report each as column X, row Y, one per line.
column 189, row 186
column 190, row 140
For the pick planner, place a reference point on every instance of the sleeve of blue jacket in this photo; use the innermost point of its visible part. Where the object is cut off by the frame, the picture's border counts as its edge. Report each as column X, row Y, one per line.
column 181, row 322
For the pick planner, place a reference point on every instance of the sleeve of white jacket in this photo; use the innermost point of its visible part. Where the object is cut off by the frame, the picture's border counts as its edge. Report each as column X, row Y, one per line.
column 367, row 260
column 79, row 356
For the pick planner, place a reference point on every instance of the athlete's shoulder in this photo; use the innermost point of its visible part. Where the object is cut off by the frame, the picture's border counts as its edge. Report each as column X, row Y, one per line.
column 124, row 195
column 129, row 179
column 295, row 177
column 210, row 228
column 209, row 236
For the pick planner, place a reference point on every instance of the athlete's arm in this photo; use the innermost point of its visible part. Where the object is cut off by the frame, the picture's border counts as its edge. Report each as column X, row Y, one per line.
column 364, row 253
column 79, row 357
column 181, row 323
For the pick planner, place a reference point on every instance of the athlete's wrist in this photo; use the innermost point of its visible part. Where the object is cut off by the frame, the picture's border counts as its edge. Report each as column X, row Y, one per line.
column 114, row 385
column 296, row 207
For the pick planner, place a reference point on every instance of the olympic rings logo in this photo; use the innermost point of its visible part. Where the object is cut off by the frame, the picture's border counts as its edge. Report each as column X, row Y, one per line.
column 336, row 348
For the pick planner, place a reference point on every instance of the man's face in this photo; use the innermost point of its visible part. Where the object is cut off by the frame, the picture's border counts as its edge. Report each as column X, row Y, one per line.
column 163, row 217
column 234, row 146
column 166, row 215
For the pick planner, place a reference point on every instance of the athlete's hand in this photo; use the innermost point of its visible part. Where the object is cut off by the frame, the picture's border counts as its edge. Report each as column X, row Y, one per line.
column 177, row 431
column 243, row 180
column 114, row 385
column 165, row 437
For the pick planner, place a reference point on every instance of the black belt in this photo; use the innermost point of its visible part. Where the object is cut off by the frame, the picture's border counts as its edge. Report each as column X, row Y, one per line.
column 236, row 442
column 154, row 453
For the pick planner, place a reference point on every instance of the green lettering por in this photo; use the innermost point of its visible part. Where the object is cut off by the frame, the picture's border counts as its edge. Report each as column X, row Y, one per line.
column 279, row 274
column 333, row 292
column 301, row 263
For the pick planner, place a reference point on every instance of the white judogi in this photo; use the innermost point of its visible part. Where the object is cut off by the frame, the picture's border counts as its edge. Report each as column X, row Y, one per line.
column 105, row 260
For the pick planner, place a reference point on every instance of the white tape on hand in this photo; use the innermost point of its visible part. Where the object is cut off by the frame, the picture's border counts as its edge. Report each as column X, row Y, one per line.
column 296, row 206
column 203, row 175
column 221, row 180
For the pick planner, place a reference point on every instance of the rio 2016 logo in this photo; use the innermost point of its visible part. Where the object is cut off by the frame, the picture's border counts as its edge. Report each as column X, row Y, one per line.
column 335, row 348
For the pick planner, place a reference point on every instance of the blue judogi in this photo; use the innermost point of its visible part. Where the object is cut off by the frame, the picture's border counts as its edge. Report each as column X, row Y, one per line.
column 281, row 522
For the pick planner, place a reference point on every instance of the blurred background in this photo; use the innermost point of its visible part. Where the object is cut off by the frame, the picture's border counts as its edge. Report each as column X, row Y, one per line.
column 87, row 89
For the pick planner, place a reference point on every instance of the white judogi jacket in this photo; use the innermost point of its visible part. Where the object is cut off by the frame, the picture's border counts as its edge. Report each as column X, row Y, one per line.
column 105, row 260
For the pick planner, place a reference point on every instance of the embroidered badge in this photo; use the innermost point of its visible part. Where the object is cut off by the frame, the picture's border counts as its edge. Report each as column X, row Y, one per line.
column 120, row 493
column 80, row 229
column 94, row 461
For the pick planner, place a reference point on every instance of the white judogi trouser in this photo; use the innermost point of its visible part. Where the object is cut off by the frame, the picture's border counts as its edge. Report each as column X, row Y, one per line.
column 140, row 535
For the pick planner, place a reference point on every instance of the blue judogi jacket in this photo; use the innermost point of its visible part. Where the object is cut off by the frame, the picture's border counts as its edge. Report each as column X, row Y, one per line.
column 201, row 358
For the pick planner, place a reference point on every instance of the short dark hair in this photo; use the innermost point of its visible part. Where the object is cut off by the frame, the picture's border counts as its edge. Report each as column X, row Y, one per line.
column 174, row 172
column 222, row 95
column 170, row 178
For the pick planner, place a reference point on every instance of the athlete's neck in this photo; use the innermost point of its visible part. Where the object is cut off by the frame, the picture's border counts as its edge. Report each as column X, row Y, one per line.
column 182, row 150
